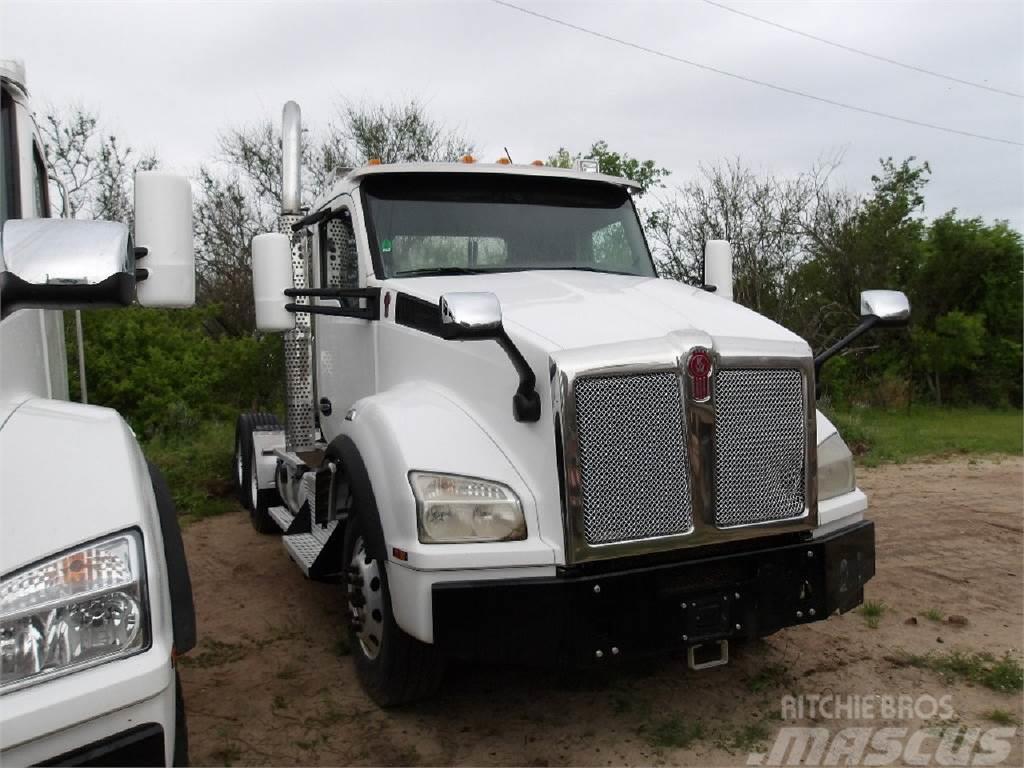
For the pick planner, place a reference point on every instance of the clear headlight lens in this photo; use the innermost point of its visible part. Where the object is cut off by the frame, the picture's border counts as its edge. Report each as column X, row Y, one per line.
column 455, row 510
column 835, row 468
column 74, row 610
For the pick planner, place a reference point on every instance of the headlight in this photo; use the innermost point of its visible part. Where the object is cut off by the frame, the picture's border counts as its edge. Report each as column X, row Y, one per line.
column 454, row 510
column 75, row 610
column 835, row 468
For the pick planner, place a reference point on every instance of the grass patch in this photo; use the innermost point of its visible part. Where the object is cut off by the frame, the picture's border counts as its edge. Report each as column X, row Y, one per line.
column 673, row 732
column 872, row 611
column 879, row 436
column 1001, row 717
column 214, row 653
column 933, row 614
column 198, row 468
column 772, row 676
column 1004, row 674
column 747, row 738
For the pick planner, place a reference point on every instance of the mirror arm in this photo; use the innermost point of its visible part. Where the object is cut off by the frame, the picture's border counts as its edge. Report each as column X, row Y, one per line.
column 526, row 401
column 866, row 324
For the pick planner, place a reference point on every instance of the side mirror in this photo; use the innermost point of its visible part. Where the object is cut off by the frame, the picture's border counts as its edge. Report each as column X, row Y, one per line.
column 470, row 315
column 65, row 264
column 478, row 316
column 884, row 309
column 163, row 227
column 892, row 308
column 271, row 277
column 718, row 268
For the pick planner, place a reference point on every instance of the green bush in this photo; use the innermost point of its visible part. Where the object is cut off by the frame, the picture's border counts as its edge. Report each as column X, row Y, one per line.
column 167, row 371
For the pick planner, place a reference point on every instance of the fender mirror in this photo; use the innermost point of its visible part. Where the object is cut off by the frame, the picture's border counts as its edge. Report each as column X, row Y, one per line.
column 478, row 316
column 163, row 232
column 65, row 264
column 271, row 277
column 884, row 309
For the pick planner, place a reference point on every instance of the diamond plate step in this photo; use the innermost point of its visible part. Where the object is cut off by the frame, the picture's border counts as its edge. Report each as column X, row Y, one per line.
column 323, row 534
column 281, row 516
column 303, row 548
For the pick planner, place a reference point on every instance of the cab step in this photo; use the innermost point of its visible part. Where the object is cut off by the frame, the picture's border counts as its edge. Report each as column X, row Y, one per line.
column 317, row 553
column 282, row 517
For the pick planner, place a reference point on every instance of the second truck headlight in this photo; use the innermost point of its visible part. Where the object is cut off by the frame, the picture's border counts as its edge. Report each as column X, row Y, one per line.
column 454, row 510
column 835, row 468
column 72, row 611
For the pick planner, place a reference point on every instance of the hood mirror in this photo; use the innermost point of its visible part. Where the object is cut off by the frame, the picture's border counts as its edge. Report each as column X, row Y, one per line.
column 891, row 308
column 65, row 264
column 470, row 315
column 467, row 315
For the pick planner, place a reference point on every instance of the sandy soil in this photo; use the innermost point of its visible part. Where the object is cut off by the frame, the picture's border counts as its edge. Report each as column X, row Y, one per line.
column 269, row 682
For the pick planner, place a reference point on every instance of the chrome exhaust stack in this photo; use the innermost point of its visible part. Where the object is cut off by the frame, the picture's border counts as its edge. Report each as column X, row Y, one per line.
column 300, row 416
column 291, row 159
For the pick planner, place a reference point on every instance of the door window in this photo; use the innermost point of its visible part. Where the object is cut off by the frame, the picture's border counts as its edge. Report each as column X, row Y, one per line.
column 40, row 196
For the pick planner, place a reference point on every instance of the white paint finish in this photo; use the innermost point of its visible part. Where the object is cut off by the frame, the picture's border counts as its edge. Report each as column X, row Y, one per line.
column 163, row 225
column 838, row 508
column 571, row 308
column 344, row 346
column 412, row 592
column 271, row 276
column 143, row 687
column 825, row 428
column 266, row 466
column 24, row 349
column 419, row 426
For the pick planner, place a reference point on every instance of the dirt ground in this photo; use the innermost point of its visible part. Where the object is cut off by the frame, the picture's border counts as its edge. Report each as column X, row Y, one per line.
column 270, row 681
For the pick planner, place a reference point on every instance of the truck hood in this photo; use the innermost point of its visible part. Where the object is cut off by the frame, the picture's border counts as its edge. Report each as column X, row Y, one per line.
column 69, row 473
column 568, row 309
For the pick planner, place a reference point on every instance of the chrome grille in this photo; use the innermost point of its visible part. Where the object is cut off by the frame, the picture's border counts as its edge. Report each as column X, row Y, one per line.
column 632, row 457
column 760, row 442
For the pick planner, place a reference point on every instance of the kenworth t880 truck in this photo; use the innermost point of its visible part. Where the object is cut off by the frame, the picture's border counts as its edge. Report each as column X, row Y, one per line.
column 509, row 439
column 95, row 598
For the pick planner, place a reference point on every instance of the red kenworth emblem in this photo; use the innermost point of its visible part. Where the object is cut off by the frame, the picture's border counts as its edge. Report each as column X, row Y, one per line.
column 699, row 368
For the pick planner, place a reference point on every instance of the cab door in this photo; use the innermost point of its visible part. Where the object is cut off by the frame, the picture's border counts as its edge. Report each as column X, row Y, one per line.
column 344, row 346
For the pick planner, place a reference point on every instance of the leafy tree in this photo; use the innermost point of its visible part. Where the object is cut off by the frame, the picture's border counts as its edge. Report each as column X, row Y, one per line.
column 645, row 172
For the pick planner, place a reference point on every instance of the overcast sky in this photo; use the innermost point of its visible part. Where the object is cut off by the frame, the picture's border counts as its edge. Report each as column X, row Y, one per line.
column 167, row 76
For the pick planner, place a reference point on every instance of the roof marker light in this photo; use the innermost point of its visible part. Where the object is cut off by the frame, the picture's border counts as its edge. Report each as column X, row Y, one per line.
column 537, row 162
column 503, row 161
column 468, row 159
column 373, row 161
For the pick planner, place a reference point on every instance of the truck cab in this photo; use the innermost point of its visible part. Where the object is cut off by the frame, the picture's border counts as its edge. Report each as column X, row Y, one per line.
column 95, row 598
column 511, row 440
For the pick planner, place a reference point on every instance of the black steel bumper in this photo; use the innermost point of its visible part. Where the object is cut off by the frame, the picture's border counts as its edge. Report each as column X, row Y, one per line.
column 142, row 745
column 740, row 595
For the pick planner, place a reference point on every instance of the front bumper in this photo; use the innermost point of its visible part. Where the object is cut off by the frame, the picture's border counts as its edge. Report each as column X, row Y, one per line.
column 573, row 615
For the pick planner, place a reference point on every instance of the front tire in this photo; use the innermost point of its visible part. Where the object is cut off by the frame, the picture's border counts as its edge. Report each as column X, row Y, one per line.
column 393, row 667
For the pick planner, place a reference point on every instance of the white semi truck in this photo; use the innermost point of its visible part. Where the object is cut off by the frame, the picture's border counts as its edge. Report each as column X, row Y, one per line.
column 509, row 439
column 95, row 598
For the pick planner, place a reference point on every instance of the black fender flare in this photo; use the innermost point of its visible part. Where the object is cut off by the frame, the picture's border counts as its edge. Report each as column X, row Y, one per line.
column 183, row 612
column 344, row 449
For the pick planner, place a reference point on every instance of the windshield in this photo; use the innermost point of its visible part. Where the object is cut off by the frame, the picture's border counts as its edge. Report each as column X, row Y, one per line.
column 454, row 223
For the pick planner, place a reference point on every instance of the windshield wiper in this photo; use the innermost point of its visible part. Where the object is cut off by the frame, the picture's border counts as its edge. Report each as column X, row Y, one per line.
column 428, row 271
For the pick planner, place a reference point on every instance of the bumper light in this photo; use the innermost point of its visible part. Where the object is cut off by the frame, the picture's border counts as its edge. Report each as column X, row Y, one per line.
column 835, row 468
column 72, row 611
column 457, row 510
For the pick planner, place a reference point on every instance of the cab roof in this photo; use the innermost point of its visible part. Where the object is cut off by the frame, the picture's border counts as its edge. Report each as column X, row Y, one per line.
column 352, row 177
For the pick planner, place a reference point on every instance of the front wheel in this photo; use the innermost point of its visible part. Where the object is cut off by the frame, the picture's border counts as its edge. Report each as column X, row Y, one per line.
column 393, row 667
column 246, row 470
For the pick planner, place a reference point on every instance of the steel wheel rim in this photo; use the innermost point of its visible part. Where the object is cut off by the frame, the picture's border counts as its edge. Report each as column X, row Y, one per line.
column 254, row 484
column 239, row 475
column 366, row 600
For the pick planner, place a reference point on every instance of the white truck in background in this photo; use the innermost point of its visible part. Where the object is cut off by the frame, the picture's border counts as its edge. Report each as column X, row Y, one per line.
column 509, row 439
column 95, row 597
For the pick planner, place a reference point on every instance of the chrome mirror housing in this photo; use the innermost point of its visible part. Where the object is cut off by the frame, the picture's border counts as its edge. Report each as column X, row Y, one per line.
column 470, row 315
column 892, row 308
column 65, row 264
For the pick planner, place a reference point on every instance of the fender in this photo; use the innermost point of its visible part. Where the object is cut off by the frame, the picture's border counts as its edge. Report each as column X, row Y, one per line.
column 419, row 426
column 183, row 612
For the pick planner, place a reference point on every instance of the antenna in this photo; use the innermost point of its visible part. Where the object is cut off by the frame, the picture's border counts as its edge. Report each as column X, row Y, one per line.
column 507, row 154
